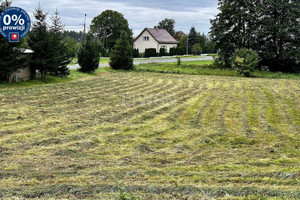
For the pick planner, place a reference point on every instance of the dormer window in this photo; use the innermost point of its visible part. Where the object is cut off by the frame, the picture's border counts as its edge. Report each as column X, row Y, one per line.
column 146, row 38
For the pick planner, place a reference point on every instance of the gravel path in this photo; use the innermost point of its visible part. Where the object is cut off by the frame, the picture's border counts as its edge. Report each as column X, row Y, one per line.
column 140, row 61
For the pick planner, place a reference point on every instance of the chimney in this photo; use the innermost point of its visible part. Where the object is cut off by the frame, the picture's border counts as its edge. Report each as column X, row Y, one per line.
column 155, row 27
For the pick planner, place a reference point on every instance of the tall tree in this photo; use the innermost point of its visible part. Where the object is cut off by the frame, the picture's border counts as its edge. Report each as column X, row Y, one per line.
column 270, row 27
column 10, row 53
column 192, row 37
column 59, row 47
column 229, row 28
column 108, row 27
column 39, row 41
column 279, row 34
column 178, row 35
column 168, row 24
column 121, row 54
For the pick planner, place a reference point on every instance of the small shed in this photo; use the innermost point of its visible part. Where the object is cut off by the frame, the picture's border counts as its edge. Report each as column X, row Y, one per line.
column 24, row 73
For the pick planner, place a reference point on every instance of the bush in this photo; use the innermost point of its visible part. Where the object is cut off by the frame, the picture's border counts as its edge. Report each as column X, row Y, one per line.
column 162, row 52
column 197, row 49
column 178, row 60
column 88, row 56
column 150, row 53
column 121, row 54
column 181, row 51
column 136, row 53
column 245, row 61
column 172, row 52
column 219, row 64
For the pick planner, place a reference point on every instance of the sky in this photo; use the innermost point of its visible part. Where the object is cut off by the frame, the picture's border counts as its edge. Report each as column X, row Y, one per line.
column 139, row 13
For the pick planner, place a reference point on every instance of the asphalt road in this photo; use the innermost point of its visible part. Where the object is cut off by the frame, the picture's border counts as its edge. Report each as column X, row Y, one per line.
column 141, row 61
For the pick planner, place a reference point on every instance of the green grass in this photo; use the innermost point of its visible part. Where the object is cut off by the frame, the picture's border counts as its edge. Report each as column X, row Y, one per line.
column 184, row 137
column 163, row 58
column 50, row 79
column 213, row 55
column 205, row 67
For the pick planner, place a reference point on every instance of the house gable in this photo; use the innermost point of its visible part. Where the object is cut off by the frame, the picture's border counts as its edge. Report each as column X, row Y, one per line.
column 145, row 41
column 154, row 38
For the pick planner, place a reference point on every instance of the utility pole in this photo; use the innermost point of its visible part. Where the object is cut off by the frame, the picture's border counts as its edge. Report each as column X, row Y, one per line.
column 187, row 45
column 84, row 25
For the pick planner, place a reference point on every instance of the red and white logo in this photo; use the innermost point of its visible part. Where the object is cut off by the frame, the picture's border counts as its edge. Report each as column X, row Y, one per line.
column 14, row 37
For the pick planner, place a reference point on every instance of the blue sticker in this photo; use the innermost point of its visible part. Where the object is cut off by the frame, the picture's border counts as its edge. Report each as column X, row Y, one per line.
column 14, row 24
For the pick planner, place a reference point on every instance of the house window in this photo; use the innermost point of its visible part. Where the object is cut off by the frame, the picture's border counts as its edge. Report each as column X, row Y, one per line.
column 146, row 38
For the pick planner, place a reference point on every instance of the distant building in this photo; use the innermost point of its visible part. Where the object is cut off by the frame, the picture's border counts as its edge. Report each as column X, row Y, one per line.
column 154, row 38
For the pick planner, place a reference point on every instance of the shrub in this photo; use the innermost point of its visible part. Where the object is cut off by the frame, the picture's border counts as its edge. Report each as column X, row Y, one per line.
column 197, row 49
column 136, row 53
column 162, row 52
column 172, row 52
column 88, row 56
column 181, row 51
column 151, row 52
column 178, row 60
column 121, row 54
column 245, row 61
column 219, row 64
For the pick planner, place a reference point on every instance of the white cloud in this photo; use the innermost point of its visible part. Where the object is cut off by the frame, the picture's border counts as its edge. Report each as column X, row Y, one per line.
column 139, row 17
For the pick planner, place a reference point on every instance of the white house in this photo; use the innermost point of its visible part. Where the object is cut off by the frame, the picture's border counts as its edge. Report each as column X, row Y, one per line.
column 154, row 38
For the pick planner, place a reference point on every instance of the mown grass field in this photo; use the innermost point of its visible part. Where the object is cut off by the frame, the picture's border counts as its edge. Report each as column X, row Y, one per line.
column 183, row 137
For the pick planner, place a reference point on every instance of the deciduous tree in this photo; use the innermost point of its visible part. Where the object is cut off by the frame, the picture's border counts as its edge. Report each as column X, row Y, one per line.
column 270, row 27
column 168, row 24
column 108, row 27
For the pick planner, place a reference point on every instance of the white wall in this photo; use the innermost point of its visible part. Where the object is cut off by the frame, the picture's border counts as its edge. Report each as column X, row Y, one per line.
column 23, row 74
column 168, row 47
column 142, row 45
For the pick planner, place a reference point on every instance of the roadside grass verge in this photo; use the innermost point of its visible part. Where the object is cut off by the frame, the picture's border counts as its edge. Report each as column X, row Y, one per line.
column 105, row 60
column 205, row 67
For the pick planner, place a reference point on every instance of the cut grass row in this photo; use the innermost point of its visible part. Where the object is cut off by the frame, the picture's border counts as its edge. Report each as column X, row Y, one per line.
column 184, row 136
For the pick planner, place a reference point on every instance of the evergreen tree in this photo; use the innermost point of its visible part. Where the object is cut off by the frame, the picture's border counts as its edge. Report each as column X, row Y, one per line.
column 59, row 47
column 202, row 40
column 121, row 54
column 10, row 53
column 88, row 55
column 192, row 37
column 40, row 42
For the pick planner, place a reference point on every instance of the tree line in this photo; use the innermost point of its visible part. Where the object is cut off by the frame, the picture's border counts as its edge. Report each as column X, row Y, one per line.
column 269, row 27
